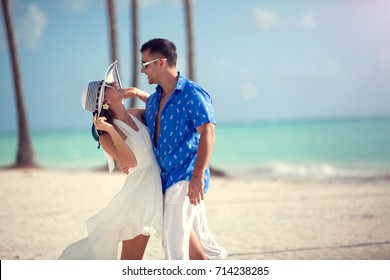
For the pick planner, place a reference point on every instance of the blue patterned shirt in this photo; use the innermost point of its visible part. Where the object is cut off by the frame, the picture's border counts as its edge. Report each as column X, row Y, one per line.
column 188, row 107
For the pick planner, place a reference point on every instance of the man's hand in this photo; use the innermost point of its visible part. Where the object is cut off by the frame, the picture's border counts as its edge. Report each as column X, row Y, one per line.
column 195, row 189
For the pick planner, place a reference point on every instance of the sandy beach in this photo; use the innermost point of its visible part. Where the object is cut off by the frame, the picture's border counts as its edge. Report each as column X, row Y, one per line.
column 43, row 211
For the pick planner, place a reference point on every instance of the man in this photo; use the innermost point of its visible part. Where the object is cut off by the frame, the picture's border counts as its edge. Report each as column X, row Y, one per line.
column 180, row 118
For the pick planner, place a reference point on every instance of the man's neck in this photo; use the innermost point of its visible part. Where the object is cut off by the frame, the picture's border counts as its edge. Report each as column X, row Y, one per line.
column 170, row 82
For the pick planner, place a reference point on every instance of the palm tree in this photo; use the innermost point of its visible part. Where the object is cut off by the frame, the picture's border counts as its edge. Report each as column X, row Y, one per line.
column 190, row 40
column 191, row 64
column 135, row 42
column 113, row 30
column 26, row 156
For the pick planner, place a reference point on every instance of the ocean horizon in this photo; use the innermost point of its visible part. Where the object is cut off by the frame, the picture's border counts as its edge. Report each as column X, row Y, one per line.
column 308, row 149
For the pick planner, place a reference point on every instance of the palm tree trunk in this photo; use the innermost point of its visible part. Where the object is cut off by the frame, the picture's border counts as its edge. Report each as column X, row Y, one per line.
column 113, row 30
column 26, row 156
column 135, row 43
column 190, row 40
column 191, row 63
column 112, row 26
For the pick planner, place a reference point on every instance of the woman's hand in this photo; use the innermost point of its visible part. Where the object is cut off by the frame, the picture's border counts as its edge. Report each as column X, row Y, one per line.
column 121, row 167
column 101, row 124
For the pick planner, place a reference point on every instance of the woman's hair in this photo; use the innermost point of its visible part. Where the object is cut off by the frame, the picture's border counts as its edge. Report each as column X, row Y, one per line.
column 109, row 117
column 163, row 47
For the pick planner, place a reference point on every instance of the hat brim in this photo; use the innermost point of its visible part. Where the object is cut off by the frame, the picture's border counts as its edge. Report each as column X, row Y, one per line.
column 112, row 75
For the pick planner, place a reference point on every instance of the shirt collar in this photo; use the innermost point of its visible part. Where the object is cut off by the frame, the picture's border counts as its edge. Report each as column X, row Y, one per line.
column 181, row 81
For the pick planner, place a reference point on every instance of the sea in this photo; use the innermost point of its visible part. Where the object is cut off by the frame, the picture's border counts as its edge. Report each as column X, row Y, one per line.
column 341, row 149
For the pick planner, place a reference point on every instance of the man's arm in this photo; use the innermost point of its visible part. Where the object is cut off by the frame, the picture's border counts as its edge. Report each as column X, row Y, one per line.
column 205, row 150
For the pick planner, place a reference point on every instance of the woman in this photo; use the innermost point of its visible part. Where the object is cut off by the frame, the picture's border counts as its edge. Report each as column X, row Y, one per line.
column 136, row 211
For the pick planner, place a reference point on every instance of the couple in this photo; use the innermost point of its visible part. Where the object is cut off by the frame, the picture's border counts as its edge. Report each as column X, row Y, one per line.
column 166, row 161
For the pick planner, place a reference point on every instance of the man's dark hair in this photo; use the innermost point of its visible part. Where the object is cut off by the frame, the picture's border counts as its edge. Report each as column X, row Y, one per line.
column 163, row 47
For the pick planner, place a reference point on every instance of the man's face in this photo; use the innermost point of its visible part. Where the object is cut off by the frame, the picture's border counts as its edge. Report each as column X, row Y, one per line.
column 149, row 66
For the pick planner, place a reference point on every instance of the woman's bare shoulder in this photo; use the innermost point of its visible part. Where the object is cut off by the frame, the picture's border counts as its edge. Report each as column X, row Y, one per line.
column 137, row 112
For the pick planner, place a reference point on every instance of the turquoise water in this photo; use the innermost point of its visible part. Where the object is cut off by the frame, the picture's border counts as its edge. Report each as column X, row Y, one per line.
column 65, row 149
column 339, row 148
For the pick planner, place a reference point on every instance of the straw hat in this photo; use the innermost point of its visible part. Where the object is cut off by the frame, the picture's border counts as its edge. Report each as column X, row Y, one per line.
column 93, row 96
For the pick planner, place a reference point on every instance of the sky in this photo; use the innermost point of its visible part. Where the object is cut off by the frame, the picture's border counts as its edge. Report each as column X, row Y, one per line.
column 259, row 60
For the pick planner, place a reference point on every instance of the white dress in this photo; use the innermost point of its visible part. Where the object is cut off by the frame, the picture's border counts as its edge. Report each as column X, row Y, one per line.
column 136, row 209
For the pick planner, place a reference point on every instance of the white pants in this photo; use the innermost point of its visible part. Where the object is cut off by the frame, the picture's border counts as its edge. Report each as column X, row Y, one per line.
column 180, row 217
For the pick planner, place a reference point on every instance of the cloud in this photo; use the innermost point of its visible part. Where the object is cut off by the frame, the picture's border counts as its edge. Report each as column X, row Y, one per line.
column 248, row 90
column 267, row 19
column 384, row 56
column 30, row 26
column 146, row 4
column 75, row 5
column 81, row 5
column 305, row 21
column 223, row 66
column 333, row 66
column 78, row 6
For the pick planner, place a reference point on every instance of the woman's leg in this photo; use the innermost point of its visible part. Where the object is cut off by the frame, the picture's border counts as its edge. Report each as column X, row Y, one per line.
column 196, row 250
column 134, row 249
column 211, row 249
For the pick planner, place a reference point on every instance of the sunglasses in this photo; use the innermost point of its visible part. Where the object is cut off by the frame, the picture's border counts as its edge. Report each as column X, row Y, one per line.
column 144, row 64
column 110, row 86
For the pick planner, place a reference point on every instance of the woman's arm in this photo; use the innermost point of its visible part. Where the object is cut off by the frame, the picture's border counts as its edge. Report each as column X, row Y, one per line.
column 113, row 143
column 136, row 92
